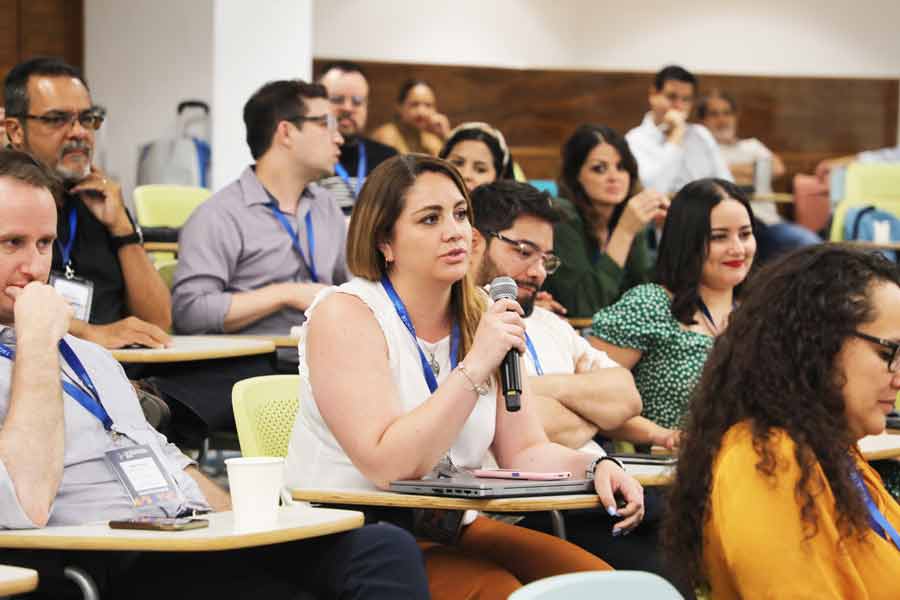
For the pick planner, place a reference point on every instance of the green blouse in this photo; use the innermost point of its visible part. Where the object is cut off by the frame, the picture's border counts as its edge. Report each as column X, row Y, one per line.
column 588, row 279
column 671, row 358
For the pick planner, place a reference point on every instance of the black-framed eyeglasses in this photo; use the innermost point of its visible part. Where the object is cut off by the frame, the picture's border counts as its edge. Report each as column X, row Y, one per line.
column 894, row 361
column 356, row 101
column 90, row 118
column 529, row 251
column 328, row 120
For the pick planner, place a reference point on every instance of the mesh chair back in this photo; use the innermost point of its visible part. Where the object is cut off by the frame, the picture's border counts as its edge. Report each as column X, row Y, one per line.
column 264, row 412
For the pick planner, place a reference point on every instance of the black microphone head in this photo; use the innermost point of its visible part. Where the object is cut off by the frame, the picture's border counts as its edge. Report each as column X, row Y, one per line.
column 504, row 287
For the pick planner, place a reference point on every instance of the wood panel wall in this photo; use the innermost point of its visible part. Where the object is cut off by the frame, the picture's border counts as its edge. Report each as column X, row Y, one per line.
column 31, row 28
column 805, row 119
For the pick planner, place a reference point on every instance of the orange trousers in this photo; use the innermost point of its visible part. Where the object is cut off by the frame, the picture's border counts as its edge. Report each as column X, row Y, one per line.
column 493, row 559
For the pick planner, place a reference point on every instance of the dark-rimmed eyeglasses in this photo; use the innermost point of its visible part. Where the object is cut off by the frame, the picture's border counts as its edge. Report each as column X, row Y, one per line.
column 90, row 118
column 328, row 120
column 894, row 360
column 356, row 101
column 529, row 251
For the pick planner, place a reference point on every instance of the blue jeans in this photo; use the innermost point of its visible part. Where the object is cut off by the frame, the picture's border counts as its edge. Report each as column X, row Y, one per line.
column 775, row 240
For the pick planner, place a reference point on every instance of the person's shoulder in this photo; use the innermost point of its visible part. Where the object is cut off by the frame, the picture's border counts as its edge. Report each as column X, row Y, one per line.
column 377, row 150
column 703, row 134
column 754, row 146
column 547, row 319
column 567, row 211
column 738, row 451
column 94, row 355
column 649, row 292
column 324, row 196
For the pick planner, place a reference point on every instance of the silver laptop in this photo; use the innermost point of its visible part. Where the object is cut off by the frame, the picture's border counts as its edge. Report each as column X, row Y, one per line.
column 475, row 487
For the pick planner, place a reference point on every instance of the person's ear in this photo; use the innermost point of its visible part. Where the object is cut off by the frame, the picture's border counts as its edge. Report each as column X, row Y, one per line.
column 478, row 241
column 386, row 251
column 15, row 132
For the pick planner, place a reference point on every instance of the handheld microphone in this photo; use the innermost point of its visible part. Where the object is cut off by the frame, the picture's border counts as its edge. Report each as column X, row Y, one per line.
column 510, row 374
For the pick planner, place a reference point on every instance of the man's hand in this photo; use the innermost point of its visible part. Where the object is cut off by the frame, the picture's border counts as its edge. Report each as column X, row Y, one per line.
column 40, row 311
column 103, row 197
column 609, row 480
column 676, row 122
column 546, row 301
column 124, row 333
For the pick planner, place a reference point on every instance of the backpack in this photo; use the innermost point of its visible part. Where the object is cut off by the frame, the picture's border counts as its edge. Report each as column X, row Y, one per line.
column 860, row 224
column 183, row 159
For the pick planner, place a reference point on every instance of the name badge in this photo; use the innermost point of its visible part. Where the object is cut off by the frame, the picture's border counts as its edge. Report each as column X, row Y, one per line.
column 77, row 291
column 142, row 474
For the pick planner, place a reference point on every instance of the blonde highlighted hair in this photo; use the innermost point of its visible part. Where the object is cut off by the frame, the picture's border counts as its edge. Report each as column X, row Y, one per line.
column 376, row 211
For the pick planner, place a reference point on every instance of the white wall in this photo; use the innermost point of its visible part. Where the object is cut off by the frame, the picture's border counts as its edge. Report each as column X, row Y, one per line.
column 142, row 57
column 254, row 42
column 772, row 37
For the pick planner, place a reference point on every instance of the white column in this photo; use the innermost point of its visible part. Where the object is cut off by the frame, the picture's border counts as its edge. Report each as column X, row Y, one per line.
column 253, row 42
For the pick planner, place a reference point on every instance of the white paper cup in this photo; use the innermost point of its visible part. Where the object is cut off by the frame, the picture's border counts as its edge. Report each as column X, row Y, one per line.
column 255, row 484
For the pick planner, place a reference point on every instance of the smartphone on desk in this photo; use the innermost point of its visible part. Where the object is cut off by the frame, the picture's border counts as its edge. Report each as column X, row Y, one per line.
column 160, row 523
column 514, row 474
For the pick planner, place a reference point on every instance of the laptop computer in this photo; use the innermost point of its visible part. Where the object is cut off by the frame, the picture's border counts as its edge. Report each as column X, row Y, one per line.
column 476, row 487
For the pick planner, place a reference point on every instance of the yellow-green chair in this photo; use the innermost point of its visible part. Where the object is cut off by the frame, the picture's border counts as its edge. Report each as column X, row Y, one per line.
column 166, row 270
column 873, row 184
column 264, row 412
column 167, row 205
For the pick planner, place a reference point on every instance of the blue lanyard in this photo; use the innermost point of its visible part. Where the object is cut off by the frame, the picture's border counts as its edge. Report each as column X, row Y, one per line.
column 295, row 239
column 430, row 379
column 707, row 314
column 360, row 170
column 534, row 355
column 877, row 521
column 90, row 401
column 66, row 250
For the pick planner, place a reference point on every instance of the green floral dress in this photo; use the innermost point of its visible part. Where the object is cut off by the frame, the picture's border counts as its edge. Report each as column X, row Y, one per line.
column 671, row 358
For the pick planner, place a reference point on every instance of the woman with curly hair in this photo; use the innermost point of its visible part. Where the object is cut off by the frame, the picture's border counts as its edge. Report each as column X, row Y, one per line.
column 772, row 497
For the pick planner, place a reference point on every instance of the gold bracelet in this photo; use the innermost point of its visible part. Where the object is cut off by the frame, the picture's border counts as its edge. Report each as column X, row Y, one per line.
column 481, row 390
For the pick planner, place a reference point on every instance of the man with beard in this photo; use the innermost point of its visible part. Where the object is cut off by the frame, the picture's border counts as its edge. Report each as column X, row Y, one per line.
column 578, row 389
column 348, row 92
column 99, row 264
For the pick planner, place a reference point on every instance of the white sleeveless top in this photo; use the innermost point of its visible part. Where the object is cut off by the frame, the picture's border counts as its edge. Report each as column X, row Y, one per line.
column 316, row 459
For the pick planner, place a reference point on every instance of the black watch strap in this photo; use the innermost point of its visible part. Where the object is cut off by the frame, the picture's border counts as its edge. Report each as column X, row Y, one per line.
column 124, row 240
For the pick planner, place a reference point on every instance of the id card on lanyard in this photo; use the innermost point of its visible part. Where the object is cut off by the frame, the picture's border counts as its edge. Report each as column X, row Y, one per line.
column 77, row 291
column 361, row 167
column 295, row 237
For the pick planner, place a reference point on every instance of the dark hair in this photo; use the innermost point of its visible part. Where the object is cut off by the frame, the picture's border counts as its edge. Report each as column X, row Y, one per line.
column 274, row 102
column 673, row 73
column 502, row 160
column 345, row 66
column 23, row 167
column 15, row 86
column 407, row 87
column 774, row 367
column 703, row 103
column 685, row 241
column 575, row 152
column 497, row 205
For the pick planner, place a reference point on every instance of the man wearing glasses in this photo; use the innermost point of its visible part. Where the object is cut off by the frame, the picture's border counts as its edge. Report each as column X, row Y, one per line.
column 348, row 92
column 99, row 264
column 578, row 389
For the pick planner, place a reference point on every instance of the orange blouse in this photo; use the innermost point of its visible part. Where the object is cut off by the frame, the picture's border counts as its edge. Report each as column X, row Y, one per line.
column 754, row 543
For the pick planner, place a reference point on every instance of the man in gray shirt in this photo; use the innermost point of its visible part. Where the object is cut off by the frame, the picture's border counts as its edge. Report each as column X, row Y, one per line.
column 67, row 410
column 253, row 256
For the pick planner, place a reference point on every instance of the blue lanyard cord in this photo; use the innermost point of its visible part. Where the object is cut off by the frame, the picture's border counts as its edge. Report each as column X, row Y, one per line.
column 360, row 170
column 534, row 355
column 90, row 401
column 66, row 250
column 295, row 238
column 877, row 520
column 705, row 310
column 427, row 371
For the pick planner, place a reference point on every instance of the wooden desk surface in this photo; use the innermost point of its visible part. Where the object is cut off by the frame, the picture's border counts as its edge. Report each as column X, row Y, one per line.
column 649, row 475
column 879, row 447
column 161, row 247
column 17, row 580
column 196, row 347
column 778, row 198
column 280, row 341
column 294, row 523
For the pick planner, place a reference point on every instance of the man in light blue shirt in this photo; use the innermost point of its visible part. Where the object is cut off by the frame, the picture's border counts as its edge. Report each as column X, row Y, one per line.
column 671, row 152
